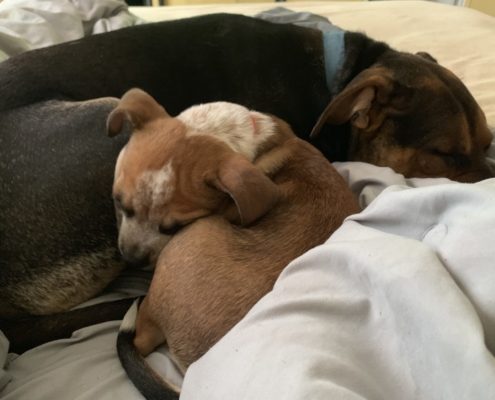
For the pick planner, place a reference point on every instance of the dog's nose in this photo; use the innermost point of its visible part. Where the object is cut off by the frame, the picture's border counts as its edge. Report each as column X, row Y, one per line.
column 484, row 171
column 135, row 259
column 490, row 168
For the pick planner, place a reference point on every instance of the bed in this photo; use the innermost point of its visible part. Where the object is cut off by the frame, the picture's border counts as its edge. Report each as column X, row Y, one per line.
column 398, row 304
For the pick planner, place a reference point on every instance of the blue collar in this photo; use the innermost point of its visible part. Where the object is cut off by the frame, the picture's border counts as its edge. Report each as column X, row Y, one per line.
column 334, row 52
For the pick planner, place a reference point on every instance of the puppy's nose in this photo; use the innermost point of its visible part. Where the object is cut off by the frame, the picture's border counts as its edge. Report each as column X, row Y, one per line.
column 135, row 259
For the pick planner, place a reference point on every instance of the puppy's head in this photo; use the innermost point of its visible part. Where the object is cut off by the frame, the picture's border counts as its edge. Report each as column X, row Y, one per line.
column 175, row 170
column 411, row 114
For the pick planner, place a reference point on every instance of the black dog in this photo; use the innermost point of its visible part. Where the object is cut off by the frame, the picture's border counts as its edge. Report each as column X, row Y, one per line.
column 57, row 227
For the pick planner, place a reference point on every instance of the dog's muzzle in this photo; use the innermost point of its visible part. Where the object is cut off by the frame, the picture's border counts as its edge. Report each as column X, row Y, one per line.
column 135, row 258
column 140, row 243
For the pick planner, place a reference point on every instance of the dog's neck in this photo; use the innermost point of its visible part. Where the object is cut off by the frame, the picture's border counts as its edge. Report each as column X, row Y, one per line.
column 334, row 55
column 346, row 54
column 360, row 53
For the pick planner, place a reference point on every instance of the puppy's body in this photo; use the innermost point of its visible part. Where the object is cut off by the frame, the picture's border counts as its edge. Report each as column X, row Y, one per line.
column 213, row 271
column 389, row 108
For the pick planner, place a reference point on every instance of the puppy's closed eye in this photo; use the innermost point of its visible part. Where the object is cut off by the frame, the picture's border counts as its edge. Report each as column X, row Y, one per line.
column 128, row 211
column 169, row 230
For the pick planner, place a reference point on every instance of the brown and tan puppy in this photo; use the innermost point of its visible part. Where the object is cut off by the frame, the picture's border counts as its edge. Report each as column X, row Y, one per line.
column 259, row 197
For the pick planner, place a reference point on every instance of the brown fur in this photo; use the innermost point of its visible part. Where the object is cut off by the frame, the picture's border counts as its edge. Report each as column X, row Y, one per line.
column 212, row 272
column 414, row 116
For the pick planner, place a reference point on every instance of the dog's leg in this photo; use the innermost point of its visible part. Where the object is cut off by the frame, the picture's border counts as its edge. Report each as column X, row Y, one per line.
column 147, row 381
column 59, row 326
column 148, row 336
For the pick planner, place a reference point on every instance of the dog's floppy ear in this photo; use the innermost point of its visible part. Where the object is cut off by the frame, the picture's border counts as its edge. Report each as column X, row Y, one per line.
column 252, row 191
column 135, row 109
column 365, row 101
column 427, row 56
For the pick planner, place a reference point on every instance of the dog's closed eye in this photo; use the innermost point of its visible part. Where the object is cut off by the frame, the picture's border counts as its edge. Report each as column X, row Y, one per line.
column 453, row 159
column 169, row 230
column 128, row 211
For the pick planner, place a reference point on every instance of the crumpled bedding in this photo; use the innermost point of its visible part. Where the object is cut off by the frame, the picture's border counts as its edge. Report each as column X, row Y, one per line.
column 28, row 24
column 398, row 304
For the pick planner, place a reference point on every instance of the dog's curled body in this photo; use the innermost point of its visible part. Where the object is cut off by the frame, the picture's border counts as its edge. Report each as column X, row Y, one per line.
column 213, row 272
column 284, row 199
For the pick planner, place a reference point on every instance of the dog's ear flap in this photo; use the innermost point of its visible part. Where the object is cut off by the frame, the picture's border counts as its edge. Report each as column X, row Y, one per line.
column 427, row 56
column 253, row 192
column 365, row 101
column 134, row 110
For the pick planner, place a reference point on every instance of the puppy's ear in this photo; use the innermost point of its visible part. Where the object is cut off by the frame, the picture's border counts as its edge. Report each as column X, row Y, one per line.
column 427, row 56
column 366, row 101
column 252, row 191
column 135, row 109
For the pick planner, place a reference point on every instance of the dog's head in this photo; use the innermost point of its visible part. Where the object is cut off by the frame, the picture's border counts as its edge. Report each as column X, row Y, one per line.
column 175, row 170
column 411, row 114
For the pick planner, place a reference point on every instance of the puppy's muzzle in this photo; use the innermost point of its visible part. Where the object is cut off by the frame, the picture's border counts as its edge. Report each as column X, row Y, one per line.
column 140, row 243
column 135, row 257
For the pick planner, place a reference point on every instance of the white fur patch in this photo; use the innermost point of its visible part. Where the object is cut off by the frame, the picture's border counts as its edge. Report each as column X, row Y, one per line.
column 241, row 129
column 129, row 322
column 141, row 238
column 158, row 185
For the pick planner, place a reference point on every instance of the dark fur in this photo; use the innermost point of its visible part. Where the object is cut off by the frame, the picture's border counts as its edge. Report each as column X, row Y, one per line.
column 59, row 326
column 192, row 61
column 151, row 385
column 57, row 225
